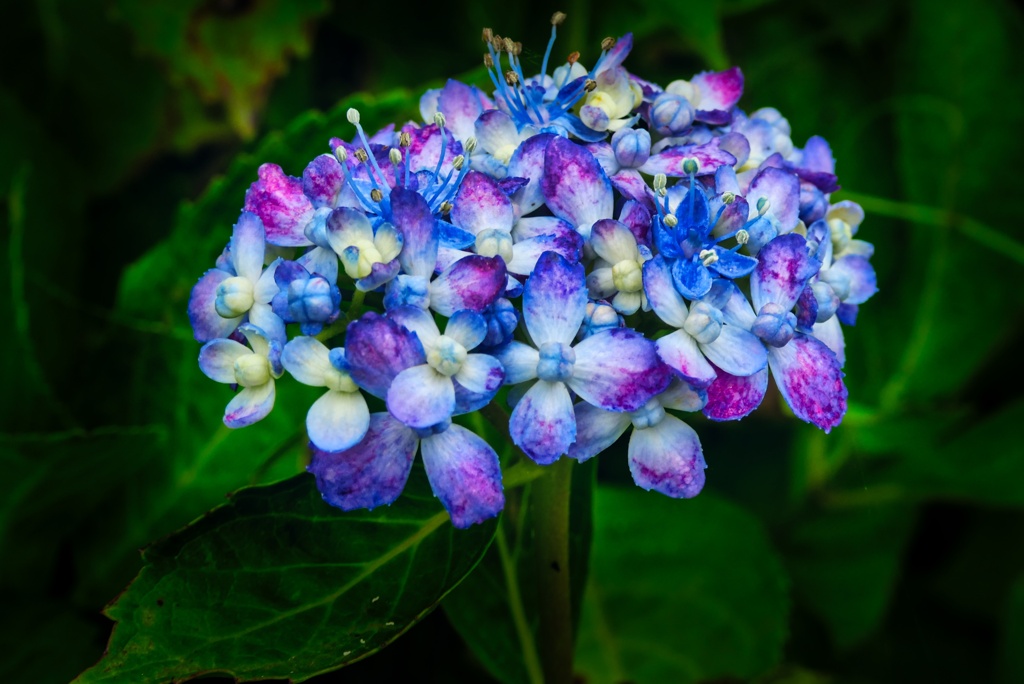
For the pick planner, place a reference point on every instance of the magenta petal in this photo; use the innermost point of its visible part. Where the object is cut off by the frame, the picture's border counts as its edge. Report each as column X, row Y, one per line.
column 782, row 271
column 207, row 324
column 574, row 184
column 637, row 216
column 281, row 204
column 465, row 475
column 618, row 369
column 809, row 376
column 377, row 349
column 669, row 161
column 481, row 205
column 370, row 474
column 719, row 90
column 528, row 162
column 322, row 180
column 473, row 283
column 731, row 397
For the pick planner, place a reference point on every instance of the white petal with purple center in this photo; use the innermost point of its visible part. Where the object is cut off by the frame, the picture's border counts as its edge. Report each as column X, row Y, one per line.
column 736, row 351
column 480, row 374
column 217, row 359
column 618, row 369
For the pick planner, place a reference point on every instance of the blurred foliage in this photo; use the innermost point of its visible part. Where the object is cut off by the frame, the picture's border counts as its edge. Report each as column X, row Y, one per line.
column 888, row 551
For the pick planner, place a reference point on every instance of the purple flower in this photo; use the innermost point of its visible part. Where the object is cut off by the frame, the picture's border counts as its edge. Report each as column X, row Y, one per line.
column 239, row 289
column 463, row 469
column 664, row 452
column 616, row 369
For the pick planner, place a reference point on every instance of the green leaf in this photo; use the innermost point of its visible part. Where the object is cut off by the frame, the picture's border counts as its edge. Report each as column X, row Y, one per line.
column 979, row 464
column 277, row 584
column 844, row 565
column 485, row 608
column 203, row 460
column 226, row 53
column 680, row 591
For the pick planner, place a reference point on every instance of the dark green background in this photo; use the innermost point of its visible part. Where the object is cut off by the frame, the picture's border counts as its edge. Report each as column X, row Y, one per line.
column 901, row 534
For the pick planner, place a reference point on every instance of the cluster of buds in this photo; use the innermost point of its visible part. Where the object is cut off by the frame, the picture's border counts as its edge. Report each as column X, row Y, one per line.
column 523, row 238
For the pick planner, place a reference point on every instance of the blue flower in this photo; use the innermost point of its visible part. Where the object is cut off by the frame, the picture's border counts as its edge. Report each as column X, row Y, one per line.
column 312, row 301
column 239, row 289
column 685, row 241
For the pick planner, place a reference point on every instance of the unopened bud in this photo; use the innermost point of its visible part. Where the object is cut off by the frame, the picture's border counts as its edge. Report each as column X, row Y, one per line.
column 395, row 156
column 352, row 115
column 404, row 139
column 690, row 166
column 608, row 43
column 557, row 18
column 361, row 154
column 376, row 195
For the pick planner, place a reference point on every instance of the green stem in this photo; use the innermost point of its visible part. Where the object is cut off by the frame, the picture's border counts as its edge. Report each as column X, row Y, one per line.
column 515, row 601
column 550, row 507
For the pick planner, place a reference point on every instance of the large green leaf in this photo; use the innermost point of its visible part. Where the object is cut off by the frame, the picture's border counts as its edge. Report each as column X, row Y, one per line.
column 486, row 607
column 680, row 591
column 277, row 583
column 202, row 460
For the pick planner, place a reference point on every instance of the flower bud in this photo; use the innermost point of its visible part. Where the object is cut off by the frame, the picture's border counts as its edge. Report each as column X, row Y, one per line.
column 234, row 297
column 774, row 325
column 703, row 323
column 632, row 147
column 671, row 114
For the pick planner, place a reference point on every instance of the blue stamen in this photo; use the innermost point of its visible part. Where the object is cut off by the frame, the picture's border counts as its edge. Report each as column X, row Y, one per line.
column 547, row 53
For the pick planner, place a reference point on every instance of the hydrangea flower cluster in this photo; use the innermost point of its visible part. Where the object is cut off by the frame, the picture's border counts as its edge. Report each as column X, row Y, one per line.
column 607, row 248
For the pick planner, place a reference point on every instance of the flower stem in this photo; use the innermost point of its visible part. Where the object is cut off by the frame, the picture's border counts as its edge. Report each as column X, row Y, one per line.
column 550, row 503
